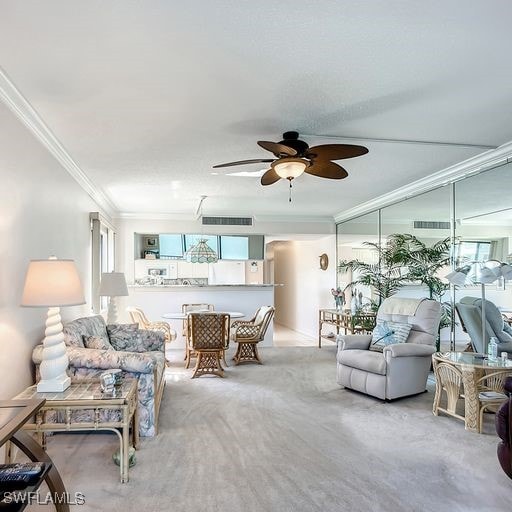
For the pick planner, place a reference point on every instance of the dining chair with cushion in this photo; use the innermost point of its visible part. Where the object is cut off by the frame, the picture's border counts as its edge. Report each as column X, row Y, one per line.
column 247, row 334
column 138, row 317
column 208, row 334
column 190, row 308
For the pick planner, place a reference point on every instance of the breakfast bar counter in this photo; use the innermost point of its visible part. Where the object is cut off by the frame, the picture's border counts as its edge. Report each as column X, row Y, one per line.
column 159, row 299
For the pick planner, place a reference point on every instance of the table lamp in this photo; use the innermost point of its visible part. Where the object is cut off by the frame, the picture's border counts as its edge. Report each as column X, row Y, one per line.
column 113, row 284
column 52, row 284
column 486, row 275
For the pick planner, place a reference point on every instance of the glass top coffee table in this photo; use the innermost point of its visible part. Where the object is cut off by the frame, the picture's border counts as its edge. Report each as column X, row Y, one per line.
column 471, row 377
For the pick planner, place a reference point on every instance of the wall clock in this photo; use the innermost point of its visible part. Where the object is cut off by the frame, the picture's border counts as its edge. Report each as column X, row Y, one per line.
column 324, row 261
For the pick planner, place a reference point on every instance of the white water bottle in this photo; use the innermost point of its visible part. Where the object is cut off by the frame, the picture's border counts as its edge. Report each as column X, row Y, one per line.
column 492, row 349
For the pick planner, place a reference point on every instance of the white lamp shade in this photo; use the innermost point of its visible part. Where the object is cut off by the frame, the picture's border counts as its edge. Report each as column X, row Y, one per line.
column 457, row 277
column 113, row 284
column 289, row 168
column 52, row 283
column 488, row 275
column 506, row 271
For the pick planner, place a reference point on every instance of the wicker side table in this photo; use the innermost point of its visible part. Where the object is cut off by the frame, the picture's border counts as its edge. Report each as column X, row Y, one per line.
column 87, row 396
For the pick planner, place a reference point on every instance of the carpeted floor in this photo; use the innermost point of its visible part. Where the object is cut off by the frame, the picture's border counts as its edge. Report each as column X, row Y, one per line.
column 284, row 437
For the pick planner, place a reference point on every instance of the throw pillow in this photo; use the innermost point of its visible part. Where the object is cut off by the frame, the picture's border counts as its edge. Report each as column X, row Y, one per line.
column 387, row 333
column 123, row 336
column 97, row 342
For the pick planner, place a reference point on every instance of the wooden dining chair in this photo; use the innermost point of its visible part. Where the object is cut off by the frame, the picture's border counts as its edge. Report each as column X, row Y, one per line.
column 209, row 336
column 189, row 308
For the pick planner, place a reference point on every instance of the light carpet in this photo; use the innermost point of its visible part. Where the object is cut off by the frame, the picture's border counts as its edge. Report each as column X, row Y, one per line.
column 284, row 437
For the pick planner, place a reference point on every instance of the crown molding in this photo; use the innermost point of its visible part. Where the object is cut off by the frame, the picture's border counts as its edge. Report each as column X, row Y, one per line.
column 294, row 218
column 190, row 217
column 23, row 110
column 474, row 165
column 156, row 216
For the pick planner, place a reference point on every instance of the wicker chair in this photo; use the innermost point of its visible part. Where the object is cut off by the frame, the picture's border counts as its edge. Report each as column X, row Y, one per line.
column 493, row 382
column 189, row 308
column 451, row 377
column 249, row 333
column 138, row 317
column 208, row 334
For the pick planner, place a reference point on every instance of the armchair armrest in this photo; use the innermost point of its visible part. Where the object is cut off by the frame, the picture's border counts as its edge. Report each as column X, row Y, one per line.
column 103, row 359
column 408, row 350
column 353, row 341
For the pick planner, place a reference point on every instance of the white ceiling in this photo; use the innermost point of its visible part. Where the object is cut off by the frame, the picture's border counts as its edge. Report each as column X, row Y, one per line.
column 147, row 96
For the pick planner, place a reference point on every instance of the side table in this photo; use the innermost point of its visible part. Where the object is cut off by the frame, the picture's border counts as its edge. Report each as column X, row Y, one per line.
column 83, row 407
column 361, row 323
column 465, row 375
column 13, row 415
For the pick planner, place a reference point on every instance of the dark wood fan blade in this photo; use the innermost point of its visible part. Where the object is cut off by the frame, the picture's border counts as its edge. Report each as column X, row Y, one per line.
column 336, row 151
column 326, row 169
column 243, row 162
column 276, row 148
column 270, row 177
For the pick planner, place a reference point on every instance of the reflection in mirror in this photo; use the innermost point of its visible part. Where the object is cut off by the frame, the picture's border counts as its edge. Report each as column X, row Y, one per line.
column 419, row 228
column 483, row 228
column 353, row 239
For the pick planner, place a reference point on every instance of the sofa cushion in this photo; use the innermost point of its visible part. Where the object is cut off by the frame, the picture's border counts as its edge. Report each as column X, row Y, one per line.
column 388, row 333
column 122, row 336
column 97, row 342
column 366, row 360
column 75, row 331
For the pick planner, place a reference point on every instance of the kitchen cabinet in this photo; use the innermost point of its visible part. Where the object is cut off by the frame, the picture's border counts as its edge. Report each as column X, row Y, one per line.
column 187, row 270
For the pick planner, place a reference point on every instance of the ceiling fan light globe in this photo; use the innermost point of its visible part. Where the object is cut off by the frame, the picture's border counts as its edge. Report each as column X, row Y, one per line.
column 290, row 168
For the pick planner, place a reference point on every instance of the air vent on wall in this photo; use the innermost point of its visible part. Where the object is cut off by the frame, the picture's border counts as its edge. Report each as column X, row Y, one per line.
column 227, row 221
column 431, row 224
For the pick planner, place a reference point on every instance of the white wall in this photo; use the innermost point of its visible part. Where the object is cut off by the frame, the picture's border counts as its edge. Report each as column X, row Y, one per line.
column 127, row 227
column 306, row 287
column 43, row 211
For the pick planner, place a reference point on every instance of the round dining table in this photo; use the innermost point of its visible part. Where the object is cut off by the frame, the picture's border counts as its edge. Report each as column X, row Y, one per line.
column 179, row 315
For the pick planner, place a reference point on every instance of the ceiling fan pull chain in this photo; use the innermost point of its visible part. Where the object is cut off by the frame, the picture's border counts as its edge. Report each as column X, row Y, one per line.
column 290, row 193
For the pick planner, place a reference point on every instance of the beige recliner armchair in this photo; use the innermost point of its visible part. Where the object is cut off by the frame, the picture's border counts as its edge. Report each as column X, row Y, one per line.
column 400, row 369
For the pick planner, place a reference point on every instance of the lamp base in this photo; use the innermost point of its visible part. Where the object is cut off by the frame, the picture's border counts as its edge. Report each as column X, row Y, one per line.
column 57, row 385
column 112, row 311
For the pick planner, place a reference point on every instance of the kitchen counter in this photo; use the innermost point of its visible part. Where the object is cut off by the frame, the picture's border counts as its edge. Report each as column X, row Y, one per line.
column 181, row 287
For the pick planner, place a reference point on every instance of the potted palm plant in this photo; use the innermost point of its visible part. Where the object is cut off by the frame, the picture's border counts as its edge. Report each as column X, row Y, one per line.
column 404, row 259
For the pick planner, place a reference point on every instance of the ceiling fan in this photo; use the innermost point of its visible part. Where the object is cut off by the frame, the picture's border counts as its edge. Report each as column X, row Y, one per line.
column 294, row 157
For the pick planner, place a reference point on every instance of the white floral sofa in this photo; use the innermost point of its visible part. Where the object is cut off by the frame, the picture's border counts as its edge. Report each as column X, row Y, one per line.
column 139, row 353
